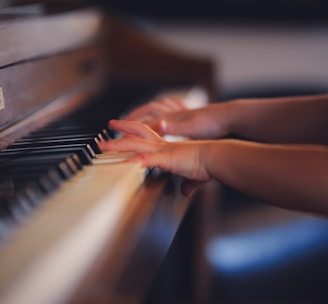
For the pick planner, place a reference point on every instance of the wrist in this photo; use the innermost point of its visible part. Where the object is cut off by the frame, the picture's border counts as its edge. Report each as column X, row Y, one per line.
column 213, row 157
column 222, row 119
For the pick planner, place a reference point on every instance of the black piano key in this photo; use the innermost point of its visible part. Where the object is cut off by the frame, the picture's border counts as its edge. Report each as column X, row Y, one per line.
column 39, row 160
column 68, row 140
column 27, row 188
column 20, row 177
column 17, row 205
column 58, row 147
column 65, row 167
column 35, row 137
column 25, row 202
column 66, row 131
column 37, row 164
column 47, row 175
column 84, row 152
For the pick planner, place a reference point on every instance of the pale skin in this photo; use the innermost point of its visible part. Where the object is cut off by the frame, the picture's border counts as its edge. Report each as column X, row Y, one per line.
column 283, row 161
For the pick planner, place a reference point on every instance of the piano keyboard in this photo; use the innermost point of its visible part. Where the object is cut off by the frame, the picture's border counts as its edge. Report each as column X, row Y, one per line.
column 73, row 235
column 58, row 179
column 36, row 165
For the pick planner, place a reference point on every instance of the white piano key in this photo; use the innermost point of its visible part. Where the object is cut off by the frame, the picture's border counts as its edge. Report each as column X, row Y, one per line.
column 77, row 221
column 112, row 157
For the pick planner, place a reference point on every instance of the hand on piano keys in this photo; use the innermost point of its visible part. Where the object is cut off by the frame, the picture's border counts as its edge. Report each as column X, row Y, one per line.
column 170, row 116
column 184, row 158
column 58, row 178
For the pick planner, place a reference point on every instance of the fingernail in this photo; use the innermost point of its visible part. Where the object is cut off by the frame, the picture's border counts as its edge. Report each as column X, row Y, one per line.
column 163, row 126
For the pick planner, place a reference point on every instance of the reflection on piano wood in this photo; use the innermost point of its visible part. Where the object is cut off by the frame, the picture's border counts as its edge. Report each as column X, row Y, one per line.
column 76, row 225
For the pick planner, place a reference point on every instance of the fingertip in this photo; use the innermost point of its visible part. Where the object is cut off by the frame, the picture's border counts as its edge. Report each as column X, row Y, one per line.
column 104, row 145
column 163, row 126
column 111, row 122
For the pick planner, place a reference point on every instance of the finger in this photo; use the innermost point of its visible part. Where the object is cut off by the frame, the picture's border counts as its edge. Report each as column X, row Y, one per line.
column 139, row 112
column 152, row 159
column 137, row 145
column 135, row 128
column 175, row 104
column 163, row 160
column 152, row 109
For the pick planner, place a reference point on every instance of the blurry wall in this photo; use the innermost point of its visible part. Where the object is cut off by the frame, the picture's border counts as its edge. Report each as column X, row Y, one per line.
column 251, row 58
column 263, row 47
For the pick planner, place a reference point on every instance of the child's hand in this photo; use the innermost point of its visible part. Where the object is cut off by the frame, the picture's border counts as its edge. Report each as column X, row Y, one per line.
column 156, row 109
column 169, row 116
column 182, row 158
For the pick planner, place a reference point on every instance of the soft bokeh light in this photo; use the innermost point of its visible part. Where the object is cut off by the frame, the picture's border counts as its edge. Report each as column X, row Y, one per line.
column 271, row 246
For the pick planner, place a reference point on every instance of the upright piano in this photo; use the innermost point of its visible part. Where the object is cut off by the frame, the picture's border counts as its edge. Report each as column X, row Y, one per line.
column 77, row 225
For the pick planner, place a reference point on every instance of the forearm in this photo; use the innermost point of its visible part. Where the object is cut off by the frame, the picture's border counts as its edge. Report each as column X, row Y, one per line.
column 289, row 176
column 278, row 120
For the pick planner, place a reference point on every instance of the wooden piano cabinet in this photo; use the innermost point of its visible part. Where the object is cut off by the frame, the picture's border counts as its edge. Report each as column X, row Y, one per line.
column 51, row 65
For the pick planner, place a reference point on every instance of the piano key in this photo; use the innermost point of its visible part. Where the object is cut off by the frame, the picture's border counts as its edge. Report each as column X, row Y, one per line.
column 48, row 162
column 112, row 157
column 58, row 147
column 80, row 237
column 64, row 131
column 33, row 137
column 42, row 158
column 17, row 206
column 20, row 173
column 55, row 141
column 67, row 139
column 84, row 152
column 39, row 162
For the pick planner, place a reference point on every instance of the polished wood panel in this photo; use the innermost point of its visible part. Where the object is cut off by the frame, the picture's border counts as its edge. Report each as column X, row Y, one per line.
column 26, row 38
column 31, row 84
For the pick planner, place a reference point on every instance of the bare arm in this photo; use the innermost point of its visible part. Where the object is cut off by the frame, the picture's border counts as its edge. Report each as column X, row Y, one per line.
column 276, row 120
column 291, row 176
column 281, row 120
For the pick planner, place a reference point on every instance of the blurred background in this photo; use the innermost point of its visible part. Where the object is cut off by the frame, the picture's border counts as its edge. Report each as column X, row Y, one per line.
column 270, row 47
